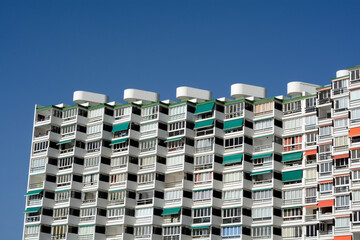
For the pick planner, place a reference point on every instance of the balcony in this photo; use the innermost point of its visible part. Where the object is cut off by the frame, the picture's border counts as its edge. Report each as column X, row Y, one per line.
column 338, row 91
column 36, row 185
column 309, row 218
column 341, row 148
column 233, row 148
column 174, row 218
column 341, row 189
column 324, row 101
column 87, row 218
column 310, row 200
column 295, row 201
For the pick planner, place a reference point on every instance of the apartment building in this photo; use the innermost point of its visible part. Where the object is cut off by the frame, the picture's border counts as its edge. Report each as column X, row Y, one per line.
column 199, row 168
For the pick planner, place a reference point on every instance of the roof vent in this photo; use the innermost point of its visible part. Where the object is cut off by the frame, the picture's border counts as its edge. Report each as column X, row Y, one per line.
column 134, row 95
column 187, row 93
column 240, row 90
column 81, row 97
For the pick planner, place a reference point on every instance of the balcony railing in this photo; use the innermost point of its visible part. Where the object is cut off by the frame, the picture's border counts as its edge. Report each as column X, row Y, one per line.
column 310, row 217
column 69, row 150
column 34, row 202
column 232, row 220
column 86, row 237
column 33, row 219
column 58, row 236
column 144, row 201
column 264, row 181
column 340, row 91
column 292, row 201
column 204, row 149
column 116, row 202
column 36, row 185
column 204, row 132
column 324, row 100
column 87, row 218
column 176, row 117
column 233, row 148
column 310, row 200
column 37, row 169
column 171, row 219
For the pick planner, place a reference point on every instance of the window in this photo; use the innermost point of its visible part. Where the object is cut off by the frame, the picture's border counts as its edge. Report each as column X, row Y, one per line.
column 325, row 168
column 115, row 213
column 292, row 107
column 356, row 217
column 233, row 143
column 342, row 202
column 40, row 147
column 96, row 113
column 355, row 95
column 355, row 197
column 291, row 232
column 341, row 163
column 341, row 141
column 38, row 164
column 175, row 161
column 355, row 75
column 62, row 196
column 147, row 162
column 326, row 188
column 204, row 161
column 292, row 143
column 143, row 231
column 311, row 139
column 91, row 162
column 325, row 132
column 177, row 112
column 65, row 163
column 258, row 162
column 146, row 178
column 293, row 124
column 231, row 232
column 204, row 145
column 342, row 184
column 93, row 146
column 232, row 195
column 231, row 215
column 262, row 195
column 63, row 180
column 69, row 114
column 355, row 115
column 122, row 113
column 340, row 84
column 264, row 125
column 94, row 129
column 60, row 213
column 339, row 123
column 342, row 222
column 234, row 110
column 174, row 195
column 117, row 197
column 310, row 195
column 176, row 128
column 259, row 214
column 311, row 175
column 32, row 231
column 119, row 162
column 201, row 215
column 176, row 145
column 119, row 147
column 310, row 104
column 341, row 104
column 90, row 179
column 355, row 176
column 325, row 152
column 311, row 230
column 292, row 196
column 355, row 155
column 86, row 230
column 261, row 232
column 86, row 212
column 68, row 130
column 202, row 232
column 118, row 179
column 292, row 214
column 143, row 212
column 310, row 122
column 263, row 108
column 148, row 145
column 173, row 231
column 149, row 113
column 202, row 178
column 202, row 195
column 148, row 129
column 232, row 177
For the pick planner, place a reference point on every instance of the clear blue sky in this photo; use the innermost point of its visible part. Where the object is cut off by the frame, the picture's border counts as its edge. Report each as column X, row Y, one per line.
column 48, row 49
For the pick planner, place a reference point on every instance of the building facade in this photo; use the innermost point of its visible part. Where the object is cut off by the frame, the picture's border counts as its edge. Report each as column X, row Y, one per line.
column 200, row 168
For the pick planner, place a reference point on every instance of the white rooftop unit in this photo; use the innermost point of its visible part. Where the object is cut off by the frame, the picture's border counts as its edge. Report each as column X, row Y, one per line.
column 81, row 97
column 240, row 90
column 342, row 73
column 134, row 95
column 298, row 89
column 187, row 93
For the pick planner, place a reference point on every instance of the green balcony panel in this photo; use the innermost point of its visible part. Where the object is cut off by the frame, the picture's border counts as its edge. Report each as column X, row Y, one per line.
column 121, row 127
column 204, row 108
column 233, row 124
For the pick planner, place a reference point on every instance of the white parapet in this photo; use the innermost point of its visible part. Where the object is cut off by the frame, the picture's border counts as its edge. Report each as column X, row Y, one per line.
column 82, row 97
column 298, row 89
column 240, row 90
column 342, row 73
column 134, row 95
column 187, row 93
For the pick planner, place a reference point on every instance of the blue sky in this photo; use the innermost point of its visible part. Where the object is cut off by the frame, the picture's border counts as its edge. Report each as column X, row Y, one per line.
column 48, row 49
